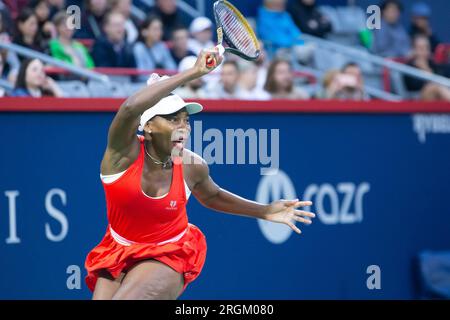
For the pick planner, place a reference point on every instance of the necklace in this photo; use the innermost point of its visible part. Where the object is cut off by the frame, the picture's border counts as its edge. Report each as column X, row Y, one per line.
column 156, row 161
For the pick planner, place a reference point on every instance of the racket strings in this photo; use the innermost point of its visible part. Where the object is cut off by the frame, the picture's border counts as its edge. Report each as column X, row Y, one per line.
column 236, row 31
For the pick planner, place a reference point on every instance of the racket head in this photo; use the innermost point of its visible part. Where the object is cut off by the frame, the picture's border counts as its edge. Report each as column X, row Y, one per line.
column 235, row 31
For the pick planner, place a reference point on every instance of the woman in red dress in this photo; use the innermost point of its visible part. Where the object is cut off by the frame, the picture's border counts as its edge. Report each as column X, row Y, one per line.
column 150, row 251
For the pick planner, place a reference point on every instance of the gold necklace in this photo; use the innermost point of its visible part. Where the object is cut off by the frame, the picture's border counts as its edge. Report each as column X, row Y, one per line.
column 156, row 161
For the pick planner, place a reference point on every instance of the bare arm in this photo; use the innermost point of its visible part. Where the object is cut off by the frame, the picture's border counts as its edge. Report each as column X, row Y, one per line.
column 122, row 141
column 212, row 196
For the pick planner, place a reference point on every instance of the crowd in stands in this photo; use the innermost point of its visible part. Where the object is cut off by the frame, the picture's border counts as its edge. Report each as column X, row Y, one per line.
column 169, row 39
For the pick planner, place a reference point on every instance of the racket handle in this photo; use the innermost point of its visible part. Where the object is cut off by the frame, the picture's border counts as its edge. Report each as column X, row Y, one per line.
column 210, row 61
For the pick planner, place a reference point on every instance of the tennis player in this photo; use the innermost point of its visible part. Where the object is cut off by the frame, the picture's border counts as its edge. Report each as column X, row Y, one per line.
column 150, row 250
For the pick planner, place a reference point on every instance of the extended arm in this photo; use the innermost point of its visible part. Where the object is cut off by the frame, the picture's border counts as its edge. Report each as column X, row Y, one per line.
column 212, row 196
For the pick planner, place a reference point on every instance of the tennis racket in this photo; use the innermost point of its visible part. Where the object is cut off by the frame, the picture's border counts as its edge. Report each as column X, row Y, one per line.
column 234, row 33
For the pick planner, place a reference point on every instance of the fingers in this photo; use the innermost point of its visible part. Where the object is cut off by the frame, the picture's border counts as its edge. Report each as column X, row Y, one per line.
column 304, row 213
column 302, row 220
column 296, row 203
column 293, row 227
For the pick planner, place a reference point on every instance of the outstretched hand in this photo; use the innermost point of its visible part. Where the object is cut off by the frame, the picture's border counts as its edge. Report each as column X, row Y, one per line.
column 285, row 211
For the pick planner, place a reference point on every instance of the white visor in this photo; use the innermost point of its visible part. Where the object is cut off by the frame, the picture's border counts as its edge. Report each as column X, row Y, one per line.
column 169, row 105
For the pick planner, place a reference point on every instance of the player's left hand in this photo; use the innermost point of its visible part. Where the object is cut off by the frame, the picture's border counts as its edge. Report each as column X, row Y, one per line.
column 285, row 211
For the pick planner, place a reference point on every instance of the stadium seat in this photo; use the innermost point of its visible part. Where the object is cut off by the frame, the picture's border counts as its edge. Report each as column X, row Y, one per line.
column 352, row 19
column 74, row 89
column 110, row 90
column 331, row 13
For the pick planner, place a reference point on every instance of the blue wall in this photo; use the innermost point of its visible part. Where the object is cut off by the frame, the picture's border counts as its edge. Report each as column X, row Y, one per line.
column 399, row 206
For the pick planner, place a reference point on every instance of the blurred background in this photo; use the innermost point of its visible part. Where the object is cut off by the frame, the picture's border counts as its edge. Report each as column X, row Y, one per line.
column 358, row 90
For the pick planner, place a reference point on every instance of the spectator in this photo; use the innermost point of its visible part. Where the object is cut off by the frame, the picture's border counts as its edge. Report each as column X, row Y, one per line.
column 308, row 18
column 10, row 60
column 276, row 28
column 65, row 48
column 2, row 90
column 228, row 86
column 179, row 49
column 46, row 28
column 391, row 40
column 170, row 16
column 15, row 6
column 340, row 86
column 280, row 81
column 420, row 23
column 248, row 82
column 92, row 19
column 194, row 88
column 202, row 35
column 57, row 6
column 421, row 59
column 27, row 28
column 32, row 81
column 124, row 7
column 113, row 50
column 358, row 91
column 150, row 52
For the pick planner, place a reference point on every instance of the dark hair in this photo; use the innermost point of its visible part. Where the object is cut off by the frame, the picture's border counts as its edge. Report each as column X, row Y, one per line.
column 271, row 85
column 177, row 28
column 21, row 81
column 23, row 16
column 348, row 65
column 231, row 63
column 146, row 23
column 386, row 3
column 418, row 36
column 34, row 3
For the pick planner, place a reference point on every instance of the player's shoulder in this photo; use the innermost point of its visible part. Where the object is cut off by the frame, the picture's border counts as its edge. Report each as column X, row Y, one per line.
column 190, row 158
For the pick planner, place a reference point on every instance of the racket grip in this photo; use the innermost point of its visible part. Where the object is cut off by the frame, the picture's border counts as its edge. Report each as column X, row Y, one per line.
column 210, row 61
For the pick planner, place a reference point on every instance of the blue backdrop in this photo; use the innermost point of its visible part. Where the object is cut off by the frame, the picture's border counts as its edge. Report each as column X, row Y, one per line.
column 380, row 193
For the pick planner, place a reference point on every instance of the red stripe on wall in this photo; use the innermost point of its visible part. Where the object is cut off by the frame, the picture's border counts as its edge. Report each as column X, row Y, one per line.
column 48, row 104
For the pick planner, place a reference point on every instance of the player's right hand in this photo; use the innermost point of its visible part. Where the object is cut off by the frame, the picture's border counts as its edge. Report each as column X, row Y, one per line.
column 207, row 61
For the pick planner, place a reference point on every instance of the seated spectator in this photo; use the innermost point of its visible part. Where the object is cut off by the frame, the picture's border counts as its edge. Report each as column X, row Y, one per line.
column 92, row 19
column 391, row 40
column 2, row 90
column 179, row 49
column 170, row 16
column 276, row 28
column 58, row 5
column 32, row 81
column 46, row 28
column 308, row 18
column 10, row 60
column 65, row 48
column 358, row 92
column 228, row 86
column 150, row 52
column 27, row 28
column 420, row 23
column 194, row 88
column 113, row 50
column 249, row 82
column 340, row 86
column 124, row 7
column 280, row 81
column 202, row 35
column 421, row 59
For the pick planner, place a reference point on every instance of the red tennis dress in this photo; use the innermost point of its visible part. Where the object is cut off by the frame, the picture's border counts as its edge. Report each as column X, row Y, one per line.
column 142, row 227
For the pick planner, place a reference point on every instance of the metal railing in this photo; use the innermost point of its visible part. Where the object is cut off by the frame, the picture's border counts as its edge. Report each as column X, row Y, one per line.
column 372, row 91
column 358, row 54
column 86, row 73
